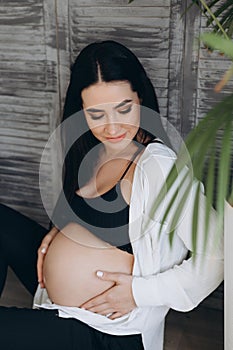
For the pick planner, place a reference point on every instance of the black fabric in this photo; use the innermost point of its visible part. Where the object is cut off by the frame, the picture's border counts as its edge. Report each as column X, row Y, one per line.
column 20, row 238
column 26, row 329
column 106, row 216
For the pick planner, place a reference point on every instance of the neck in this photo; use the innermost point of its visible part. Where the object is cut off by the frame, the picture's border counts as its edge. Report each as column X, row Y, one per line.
column 124, row 152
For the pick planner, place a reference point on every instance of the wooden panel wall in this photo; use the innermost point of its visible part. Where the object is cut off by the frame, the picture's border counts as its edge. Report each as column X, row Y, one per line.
column 143, row 26
column 39, row 39
column 28, row 100
column 211, row 68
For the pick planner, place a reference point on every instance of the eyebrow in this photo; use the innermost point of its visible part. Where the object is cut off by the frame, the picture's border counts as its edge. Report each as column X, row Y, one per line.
column 121, row 104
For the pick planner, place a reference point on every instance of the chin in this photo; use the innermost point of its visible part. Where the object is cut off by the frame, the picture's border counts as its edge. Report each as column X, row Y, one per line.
column 117, row 145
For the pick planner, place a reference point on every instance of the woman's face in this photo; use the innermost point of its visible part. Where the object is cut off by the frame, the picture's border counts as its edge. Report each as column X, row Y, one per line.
column 112, row 113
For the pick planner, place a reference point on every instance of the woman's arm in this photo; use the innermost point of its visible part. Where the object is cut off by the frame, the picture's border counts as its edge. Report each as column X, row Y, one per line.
column 185, row 285
column 42, row 252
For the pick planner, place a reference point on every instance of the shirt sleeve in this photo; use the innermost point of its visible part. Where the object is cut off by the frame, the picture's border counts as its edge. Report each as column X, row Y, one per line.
column 185, row 285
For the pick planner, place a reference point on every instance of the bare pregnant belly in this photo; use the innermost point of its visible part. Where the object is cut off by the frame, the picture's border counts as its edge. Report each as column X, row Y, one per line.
column 71, row 263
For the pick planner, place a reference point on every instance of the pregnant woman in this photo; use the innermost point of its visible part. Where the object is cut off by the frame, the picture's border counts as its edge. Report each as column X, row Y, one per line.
column 107, row 278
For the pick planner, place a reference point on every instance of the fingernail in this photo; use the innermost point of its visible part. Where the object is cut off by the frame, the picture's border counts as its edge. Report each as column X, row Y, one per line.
column 43, row 250
column 99, row 273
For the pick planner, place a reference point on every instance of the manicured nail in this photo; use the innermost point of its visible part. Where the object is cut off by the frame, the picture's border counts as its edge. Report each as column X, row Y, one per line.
column 99, row 273
column 43, row 250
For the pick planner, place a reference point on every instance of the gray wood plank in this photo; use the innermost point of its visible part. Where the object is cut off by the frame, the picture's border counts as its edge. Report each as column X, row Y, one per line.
column 24, row 105
column 138, row 12
column 121, row 22
column 120, row 3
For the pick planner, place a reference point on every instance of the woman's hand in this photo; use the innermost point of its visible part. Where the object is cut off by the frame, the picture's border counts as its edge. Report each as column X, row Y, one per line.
column 42, row 252
column 116, row 301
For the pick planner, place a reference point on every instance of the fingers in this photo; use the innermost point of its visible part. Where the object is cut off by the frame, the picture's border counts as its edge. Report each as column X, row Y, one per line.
column 103, row 309
column 103, row 305
column 117, row 300
column 40, row 260
column 115, row 315
column 109, row 276
column 96, row 301
column 42, row 252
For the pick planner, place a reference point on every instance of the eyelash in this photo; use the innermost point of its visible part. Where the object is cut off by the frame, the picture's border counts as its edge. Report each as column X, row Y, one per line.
column 125, row 111
column 93, row 117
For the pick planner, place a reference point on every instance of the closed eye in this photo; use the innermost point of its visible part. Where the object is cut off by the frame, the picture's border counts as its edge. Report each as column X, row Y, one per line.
column 96, row 117
column 125, row 111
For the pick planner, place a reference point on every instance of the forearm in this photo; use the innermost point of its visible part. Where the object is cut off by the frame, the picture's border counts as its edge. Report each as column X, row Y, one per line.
column 182, row 287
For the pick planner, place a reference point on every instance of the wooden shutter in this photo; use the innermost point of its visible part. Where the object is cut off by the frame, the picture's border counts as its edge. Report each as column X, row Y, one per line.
column 38, row 41
column 143, row 26
column 29, row 103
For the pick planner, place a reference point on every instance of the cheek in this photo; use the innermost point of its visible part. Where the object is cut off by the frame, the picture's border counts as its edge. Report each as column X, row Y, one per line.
column 92, row 125
column 131, row 129
column 134, row 119
column 134, row 130
column 97, row 130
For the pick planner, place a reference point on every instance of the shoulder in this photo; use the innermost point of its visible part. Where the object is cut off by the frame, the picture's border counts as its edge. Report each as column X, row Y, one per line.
column 157, row 149
column 153, row 167
column 151, row 172
column 158, row 156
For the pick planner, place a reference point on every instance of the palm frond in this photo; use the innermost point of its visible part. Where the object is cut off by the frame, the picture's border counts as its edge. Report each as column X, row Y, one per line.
column 210, row 188
column 201, row 146
column 219, row 43
column 226, row 22
column 230, row 198
column 230, row 26
column 217, row 14
column 224, row 171
column 224, row 10
column 195, row 217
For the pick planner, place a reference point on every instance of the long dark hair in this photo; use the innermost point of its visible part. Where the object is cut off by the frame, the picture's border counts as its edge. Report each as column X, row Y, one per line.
column 114, row 62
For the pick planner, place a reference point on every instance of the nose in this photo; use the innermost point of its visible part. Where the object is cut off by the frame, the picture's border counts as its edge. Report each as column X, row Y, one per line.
column 112, row 128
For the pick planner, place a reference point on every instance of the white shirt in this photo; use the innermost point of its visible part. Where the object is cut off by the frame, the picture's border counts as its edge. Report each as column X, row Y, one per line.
column 162, row 278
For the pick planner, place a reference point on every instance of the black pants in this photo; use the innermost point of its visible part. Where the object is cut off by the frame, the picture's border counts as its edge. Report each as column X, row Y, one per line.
column 27, row 329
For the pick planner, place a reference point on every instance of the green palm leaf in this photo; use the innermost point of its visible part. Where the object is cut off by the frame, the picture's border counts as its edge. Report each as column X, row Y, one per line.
column 195, row 218
column 201, row 154
column 217, row 14
column 219, row 43
column 224, row 170
column 209, row 189
column 230, row 199
column 224, row 10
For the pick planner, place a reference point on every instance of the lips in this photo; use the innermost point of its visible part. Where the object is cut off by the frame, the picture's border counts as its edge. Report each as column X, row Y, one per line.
column 116, row 138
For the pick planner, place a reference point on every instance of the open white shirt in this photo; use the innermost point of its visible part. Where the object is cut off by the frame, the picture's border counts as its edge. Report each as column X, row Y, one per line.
column 162, row 279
